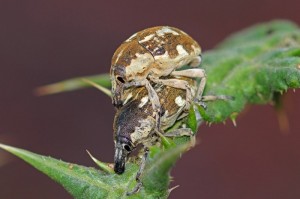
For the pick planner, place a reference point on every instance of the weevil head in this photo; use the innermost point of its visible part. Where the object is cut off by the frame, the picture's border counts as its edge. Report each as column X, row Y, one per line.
column 123, row 148
column 131, row 128
column 130, row 62
column 118, row 79
column 124, row 124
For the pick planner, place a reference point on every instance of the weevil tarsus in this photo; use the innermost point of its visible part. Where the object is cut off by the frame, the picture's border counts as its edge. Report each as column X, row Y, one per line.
column 143, row 164
column 136, row 189
column 201, row 100
column 139, row 173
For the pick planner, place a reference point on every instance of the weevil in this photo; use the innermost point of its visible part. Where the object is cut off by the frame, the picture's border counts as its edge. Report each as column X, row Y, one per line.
column 151, row 54
column 134, row 123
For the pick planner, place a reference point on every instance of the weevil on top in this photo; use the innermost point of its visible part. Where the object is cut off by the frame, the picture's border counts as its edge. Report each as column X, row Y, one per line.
column 150, row 93
column 153, row 53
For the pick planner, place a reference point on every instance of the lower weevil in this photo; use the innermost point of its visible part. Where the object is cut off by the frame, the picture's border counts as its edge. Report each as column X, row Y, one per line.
column 134, row 123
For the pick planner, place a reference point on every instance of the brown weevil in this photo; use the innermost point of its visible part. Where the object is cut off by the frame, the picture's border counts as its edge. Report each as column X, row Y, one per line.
column 148, row 57
column 134, row 123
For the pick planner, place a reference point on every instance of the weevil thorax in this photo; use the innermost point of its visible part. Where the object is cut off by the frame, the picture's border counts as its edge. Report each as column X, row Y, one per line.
column 134, row 122
column 157, row 51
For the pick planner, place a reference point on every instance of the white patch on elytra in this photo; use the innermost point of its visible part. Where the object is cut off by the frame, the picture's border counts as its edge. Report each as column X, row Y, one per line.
column 129, row 96
column 144, row 101
column 181, row 51
column 139, row 64
column 119, row 55
column 147, row 38
column 156, row 39
column 141, row 132
column 164, row 30
column 179, row 101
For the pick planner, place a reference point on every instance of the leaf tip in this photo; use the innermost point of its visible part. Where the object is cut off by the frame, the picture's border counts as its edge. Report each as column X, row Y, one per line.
column 46, row 90
column 97, row 86
column 233, row 117
column 173, row 188
column 104, row 166
column 7, row 148
column 234, row 122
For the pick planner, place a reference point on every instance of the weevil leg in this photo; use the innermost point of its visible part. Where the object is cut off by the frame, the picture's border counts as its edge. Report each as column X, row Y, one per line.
column 216, row 97
column 143, row 164
column 194, row 73
column 179, row 132
column 182, row 132
column 176, row 83
column 139, row 173
column 135, row 190
column 196, row 61
column 153, row 97
column 203, row 99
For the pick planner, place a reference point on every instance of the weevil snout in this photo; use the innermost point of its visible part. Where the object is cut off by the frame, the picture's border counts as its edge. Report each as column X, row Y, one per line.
column 123, row 148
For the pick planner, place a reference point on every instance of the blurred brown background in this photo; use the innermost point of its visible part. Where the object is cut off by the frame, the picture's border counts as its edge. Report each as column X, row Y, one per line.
column 46, row 41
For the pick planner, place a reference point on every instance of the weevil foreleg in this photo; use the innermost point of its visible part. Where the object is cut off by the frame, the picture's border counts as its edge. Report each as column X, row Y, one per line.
column 176, row 83
column 196, row 61
column 179, row 132
column 215, row 97
column 200, row 73
column 153, row 97
column 155, row 103
column 194, row 73
column 139, row 173
column 182, row 132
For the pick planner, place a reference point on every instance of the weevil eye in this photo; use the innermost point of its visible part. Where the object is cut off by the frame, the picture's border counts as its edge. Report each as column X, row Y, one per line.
column 120, row 79
column 127, row 147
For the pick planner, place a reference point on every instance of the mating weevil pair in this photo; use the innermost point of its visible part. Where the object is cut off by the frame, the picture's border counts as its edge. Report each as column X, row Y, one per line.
column 151, row 54
column 147, row 90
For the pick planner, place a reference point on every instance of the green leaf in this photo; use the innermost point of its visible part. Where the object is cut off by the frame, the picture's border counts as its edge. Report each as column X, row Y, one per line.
column 73, row 84
column 251, row 66
column 252, row 70
column 258, row 33
column 159, row 166
column 84, row 182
